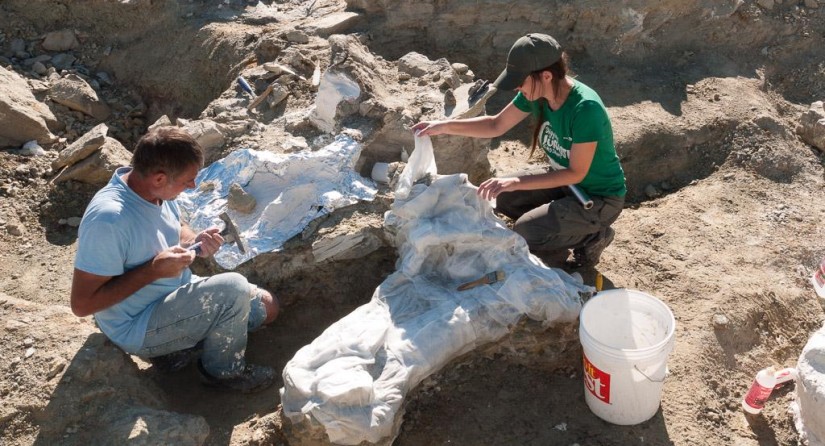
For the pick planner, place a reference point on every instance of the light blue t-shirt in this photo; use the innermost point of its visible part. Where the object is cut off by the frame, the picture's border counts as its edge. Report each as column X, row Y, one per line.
column 119, row 232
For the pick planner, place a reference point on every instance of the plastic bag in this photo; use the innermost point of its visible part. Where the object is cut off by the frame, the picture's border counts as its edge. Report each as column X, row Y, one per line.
column 420, row 164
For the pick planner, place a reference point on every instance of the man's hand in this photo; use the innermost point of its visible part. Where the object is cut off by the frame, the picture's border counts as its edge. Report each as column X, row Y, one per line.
column 92, row 293
column 210, row 240
column 494, row 186
column 171, row 262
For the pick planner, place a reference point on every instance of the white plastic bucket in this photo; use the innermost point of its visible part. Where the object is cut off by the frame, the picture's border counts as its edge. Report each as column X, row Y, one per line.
column 626, row 337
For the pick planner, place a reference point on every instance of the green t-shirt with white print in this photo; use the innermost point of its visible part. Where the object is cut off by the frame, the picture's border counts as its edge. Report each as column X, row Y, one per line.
column 582, row 118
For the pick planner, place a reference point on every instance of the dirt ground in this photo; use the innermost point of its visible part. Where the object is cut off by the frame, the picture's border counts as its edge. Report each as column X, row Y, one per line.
column 725, row 222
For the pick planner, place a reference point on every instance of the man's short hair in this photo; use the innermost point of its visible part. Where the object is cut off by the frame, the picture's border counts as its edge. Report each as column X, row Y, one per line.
column 169, row 150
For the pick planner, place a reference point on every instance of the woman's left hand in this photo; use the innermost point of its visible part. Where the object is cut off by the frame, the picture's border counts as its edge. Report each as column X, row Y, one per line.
column 494, row 186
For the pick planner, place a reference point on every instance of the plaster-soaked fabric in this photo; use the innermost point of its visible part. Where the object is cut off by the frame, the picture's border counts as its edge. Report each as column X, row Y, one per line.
column 353, row 378
column 809, row 406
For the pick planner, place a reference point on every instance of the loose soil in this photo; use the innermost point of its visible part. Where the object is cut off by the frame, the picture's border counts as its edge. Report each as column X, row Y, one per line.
column 724, row 223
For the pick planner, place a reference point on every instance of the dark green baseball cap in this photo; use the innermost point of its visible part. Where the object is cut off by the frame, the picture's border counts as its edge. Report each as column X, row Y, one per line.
column 530, row 53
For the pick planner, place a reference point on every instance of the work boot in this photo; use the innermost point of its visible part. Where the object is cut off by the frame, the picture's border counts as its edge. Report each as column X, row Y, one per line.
column 589, row 255
column 553, row 259
column 254, row 378
column 175, row 361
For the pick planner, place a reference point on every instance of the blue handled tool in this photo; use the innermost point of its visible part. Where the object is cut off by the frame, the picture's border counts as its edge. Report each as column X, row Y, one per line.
column 245, row 86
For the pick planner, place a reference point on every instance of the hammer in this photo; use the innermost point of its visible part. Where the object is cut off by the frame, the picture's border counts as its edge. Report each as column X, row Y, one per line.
column 230, row 235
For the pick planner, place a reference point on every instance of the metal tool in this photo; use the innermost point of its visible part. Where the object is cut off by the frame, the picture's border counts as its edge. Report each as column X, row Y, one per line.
column 486, row 280
column 246, row 87
column 479, row 92
column 583, row 198
column 229, row 233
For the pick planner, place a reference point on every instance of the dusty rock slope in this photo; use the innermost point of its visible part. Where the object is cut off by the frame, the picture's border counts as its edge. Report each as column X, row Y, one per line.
column 725, row 219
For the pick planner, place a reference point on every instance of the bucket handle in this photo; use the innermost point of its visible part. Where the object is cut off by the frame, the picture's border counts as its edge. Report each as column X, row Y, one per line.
column 667, row 372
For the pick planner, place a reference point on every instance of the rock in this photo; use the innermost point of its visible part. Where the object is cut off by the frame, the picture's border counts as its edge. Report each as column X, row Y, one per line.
column 296, row 36
column 22, row 117
column 720, row 321
column 460, row 68
column 98, row 168
column 651, row 191
column 39, row 68
column 417, row 65
column 58, row 364
column 73, row 92
column 15, row 229
column 239, row 200
column 17, row 46
column 812, row 126
column 414, row 64
column 73, row 221
column 163, row 121
column 336, row 23
column 812, row 4
column 766, row 4
column 82, row 147
column 208, row 134
column 63, row 40
column 63, row 61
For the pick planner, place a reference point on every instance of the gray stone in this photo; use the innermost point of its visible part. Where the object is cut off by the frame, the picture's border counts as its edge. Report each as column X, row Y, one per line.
column 98, row 168
column 336, row 23
column 73, row 92
column 296, row 36
column 39, row 68
column 82, row 147
column 766, row 4
column 63, row 61
column 239, row 200
column 208, row 134
column 22, row 117
column 414, row 64
column 811, row 126
column 62, row 40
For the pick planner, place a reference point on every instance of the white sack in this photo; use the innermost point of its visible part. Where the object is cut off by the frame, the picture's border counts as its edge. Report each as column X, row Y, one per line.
column 809, row 407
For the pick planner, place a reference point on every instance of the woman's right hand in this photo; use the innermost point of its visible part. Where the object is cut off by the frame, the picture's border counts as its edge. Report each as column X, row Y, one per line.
column 429, row 128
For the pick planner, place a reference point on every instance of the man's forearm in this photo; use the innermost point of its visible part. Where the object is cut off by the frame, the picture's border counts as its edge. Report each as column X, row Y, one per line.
column 89, row 296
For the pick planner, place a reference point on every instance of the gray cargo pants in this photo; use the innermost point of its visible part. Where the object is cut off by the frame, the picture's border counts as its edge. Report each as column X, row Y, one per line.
column 553, row 220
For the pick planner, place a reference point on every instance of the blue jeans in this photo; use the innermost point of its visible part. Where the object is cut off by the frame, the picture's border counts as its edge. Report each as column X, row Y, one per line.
column 217, row 310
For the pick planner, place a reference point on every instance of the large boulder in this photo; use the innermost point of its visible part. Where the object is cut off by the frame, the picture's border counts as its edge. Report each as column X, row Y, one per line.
column 75, row 93
column 22, row 117
column 812, row 126
column 98, row 167
column 82, row 147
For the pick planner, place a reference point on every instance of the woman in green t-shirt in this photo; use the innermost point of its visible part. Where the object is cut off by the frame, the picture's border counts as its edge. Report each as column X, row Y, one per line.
column 574, row 130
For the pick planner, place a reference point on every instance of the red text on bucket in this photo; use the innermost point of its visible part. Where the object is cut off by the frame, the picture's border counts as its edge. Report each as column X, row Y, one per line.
column 596, row 381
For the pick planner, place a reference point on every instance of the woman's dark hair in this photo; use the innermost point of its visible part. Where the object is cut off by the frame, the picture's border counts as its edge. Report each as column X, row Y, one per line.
column 166, row 149
column 560, row 69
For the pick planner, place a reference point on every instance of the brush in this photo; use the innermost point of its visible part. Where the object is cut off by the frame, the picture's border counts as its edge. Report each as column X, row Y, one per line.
column 488, row 278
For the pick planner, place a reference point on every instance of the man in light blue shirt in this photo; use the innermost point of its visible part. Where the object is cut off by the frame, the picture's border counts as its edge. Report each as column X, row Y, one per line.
column 132, row 271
